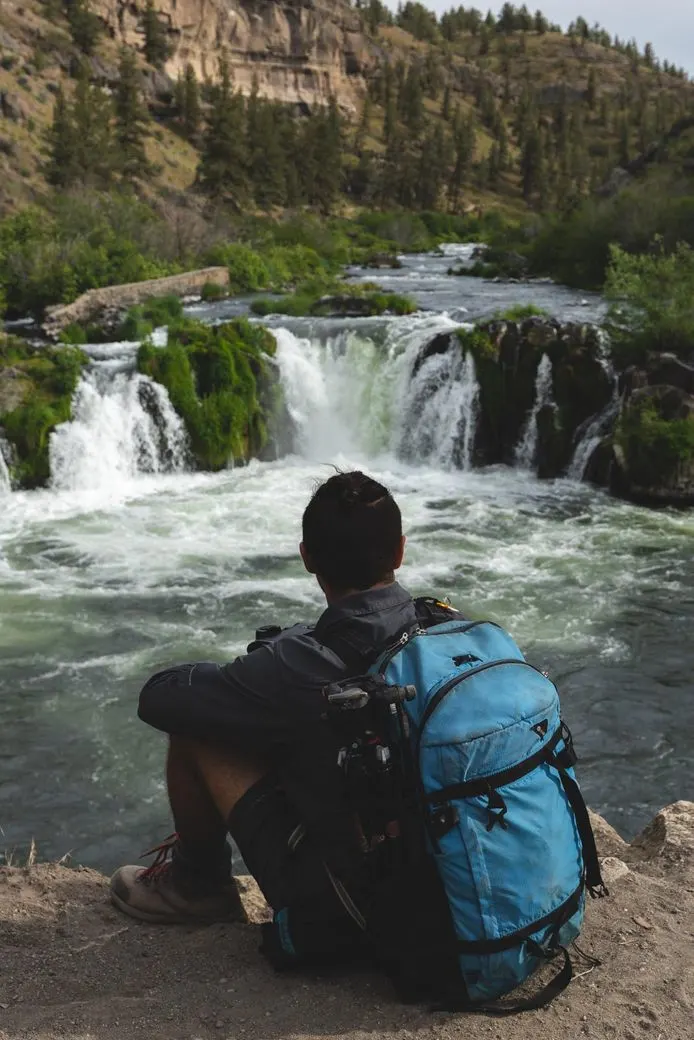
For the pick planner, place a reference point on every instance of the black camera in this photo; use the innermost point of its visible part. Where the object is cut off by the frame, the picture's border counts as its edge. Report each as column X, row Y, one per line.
column 264, row 636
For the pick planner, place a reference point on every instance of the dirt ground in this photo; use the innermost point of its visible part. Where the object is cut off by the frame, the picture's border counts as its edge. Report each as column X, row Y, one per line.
column 72, row 966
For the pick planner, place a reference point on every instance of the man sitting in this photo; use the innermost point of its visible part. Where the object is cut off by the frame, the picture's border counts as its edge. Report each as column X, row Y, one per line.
column 251, row 753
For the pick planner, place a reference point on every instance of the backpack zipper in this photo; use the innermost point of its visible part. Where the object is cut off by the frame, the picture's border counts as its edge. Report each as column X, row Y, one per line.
column 452, row 683
column 405, row 638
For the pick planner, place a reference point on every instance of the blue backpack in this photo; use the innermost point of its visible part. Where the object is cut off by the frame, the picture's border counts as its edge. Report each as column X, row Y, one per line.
column 490, row 849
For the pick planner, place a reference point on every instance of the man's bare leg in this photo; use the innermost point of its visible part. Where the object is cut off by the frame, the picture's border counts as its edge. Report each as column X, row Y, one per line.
column 191, row 876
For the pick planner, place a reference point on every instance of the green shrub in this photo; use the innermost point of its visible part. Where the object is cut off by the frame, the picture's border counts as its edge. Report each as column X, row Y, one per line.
column 477, row 342
column 52, row 256
column 214, row 377
column 521, row 311
column 212, row 291
column 651, row 306
column 51, row 376
column 311, row 300
column 655, row 447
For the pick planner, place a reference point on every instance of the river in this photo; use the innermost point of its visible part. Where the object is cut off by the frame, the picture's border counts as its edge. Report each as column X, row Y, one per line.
column 129, row 563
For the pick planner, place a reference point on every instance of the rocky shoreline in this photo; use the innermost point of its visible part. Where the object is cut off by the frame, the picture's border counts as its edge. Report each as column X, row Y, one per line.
column 72, row 966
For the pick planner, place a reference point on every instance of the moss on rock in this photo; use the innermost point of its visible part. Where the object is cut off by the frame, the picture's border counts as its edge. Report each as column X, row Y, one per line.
column 655, row 439
column 36, row 388
column 215, row 378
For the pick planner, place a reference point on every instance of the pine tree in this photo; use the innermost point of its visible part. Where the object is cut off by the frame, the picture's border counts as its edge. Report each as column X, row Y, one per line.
column 92, row 114
column 189, row 104
column 411, row 99
column 494, row 167
column 446, row 103
column 592, row 89
column 290, row 141
column 363, row 128
column 432, row 165
column 624, row 141
column 62, row 144
column 266, row 157
column 328, row 148
column 85, row 26
column 223, row 164
column 390, row 121
column 532, row 164
column 157, row 48
column 464, row 136
column 131, row 119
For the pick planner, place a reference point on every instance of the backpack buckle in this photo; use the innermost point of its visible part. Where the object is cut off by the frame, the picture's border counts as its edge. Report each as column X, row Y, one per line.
column 567, row 757
column 443, row 819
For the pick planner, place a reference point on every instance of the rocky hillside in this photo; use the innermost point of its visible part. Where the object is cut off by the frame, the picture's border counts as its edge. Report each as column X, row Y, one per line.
column 300, row 52
column 74, row 967
column 507, row 117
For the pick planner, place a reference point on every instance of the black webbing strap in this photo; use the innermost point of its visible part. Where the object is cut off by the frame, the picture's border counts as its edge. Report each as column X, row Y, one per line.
column 594, row 882
column 557, row 918
column 482, row 785
column 545, row 996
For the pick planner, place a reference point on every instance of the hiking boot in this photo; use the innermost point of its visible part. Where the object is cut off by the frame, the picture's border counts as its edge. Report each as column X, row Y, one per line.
column 171, row 892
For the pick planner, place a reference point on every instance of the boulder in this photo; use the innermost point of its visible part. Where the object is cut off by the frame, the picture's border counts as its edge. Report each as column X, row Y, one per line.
column 669, row 837
column 383, row 261
column 607, row 839
column 668, row 370
column 12, row 107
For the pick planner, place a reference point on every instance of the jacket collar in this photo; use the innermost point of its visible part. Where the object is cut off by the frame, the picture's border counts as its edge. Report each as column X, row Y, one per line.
column 363, row 604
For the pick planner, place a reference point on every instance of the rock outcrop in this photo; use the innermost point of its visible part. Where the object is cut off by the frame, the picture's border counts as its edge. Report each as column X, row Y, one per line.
column 299, row 51
column 73, row 966
column 631, row 432
column 507, row 355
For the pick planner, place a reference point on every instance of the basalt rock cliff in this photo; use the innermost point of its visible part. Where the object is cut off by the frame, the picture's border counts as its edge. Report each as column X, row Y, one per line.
column 298, row 51
column 630, row 430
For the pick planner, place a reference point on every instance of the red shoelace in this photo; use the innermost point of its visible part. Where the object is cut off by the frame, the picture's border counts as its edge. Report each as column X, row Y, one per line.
column 162, row 860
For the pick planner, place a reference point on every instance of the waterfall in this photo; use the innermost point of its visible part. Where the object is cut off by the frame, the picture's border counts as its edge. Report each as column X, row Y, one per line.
column 589, row 436
column 123, row 425
column 353, row 394
column 591, row 432
column 526, row 449
column 5, row 482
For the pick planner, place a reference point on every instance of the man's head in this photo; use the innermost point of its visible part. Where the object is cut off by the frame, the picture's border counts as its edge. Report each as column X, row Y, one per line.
column 352, row 534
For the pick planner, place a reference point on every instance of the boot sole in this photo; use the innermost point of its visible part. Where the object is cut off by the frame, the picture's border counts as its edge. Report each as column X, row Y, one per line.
column 172, row 918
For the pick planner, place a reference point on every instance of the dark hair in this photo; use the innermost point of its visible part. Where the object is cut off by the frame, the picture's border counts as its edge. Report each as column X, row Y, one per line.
column 352, row 530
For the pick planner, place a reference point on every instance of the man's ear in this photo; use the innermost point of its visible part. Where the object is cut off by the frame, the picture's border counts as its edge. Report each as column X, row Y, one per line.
column 400, row 554
column 307, row 559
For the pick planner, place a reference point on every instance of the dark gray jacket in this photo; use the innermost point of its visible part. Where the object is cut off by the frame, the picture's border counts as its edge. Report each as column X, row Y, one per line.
column 269, row 701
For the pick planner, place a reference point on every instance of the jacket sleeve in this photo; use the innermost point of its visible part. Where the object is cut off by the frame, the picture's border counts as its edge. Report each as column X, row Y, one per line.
column 234, row 705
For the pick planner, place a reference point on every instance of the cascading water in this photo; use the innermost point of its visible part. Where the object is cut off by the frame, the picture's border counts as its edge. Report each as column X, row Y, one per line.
column 526, row 449
column 123, row 425
column 354, row 393
column 589, row 435
column 5, row 482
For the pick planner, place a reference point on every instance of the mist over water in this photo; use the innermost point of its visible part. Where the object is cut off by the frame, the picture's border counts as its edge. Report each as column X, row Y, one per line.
column 128, row 563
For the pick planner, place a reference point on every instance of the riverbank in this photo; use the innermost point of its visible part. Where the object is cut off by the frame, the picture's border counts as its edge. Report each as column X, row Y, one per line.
column 73, row 966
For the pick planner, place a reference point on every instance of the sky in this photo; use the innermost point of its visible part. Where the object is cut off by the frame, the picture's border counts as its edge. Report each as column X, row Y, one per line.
column 667, row 24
